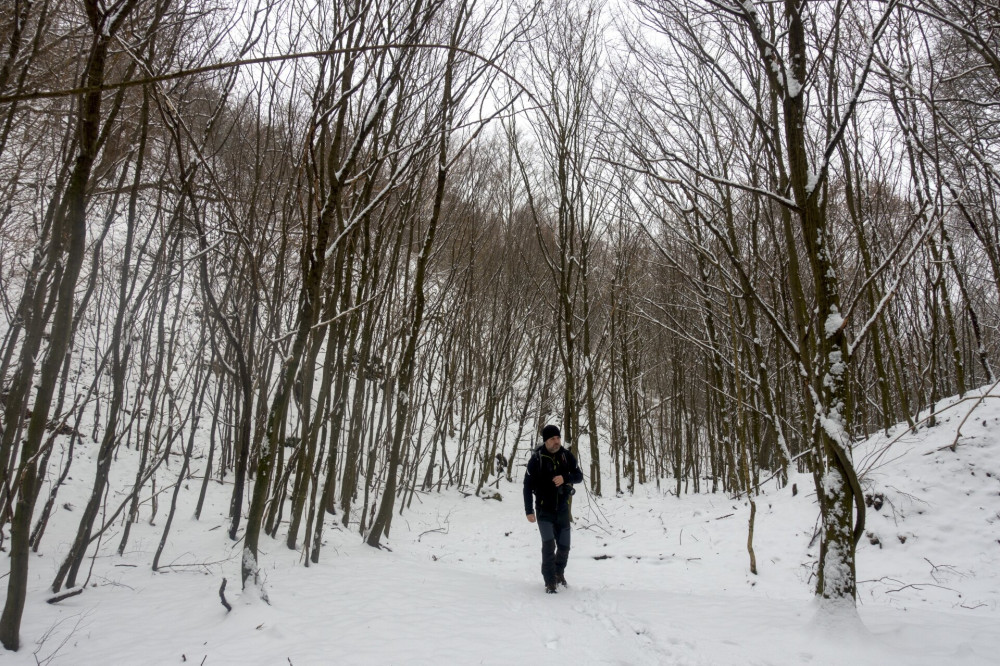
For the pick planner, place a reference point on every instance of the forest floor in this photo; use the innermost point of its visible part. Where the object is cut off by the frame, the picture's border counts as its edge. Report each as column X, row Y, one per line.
column 654, row 579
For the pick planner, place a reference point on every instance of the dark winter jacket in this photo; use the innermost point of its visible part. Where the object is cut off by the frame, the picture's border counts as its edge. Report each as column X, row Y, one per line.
column 542, row 468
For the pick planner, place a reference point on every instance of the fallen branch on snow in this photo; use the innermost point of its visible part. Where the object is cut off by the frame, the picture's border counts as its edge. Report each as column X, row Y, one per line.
column 222, row 595
column 71, row 592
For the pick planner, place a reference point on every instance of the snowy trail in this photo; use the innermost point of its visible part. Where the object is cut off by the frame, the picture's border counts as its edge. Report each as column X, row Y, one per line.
column 435, row 613
column 422, row 614
column 654, row 580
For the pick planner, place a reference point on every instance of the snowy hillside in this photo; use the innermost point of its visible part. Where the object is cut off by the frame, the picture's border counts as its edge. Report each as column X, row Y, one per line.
column 653, row 579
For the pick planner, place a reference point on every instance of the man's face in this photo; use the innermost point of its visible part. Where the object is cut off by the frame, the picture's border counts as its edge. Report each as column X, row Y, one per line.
column 552, row 444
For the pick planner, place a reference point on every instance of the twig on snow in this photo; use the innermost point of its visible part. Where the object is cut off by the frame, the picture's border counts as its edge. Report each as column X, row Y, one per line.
column 222, row 595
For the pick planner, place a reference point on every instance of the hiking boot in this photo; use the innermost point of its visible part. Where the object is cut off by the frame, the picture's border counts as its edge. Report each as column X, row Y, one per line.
column 550, row 588
column 561, row 579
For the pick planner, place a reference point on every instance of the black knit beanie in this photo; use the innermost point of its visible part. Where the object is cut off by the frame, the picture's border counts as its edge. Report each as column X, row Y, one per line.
column 549, row 431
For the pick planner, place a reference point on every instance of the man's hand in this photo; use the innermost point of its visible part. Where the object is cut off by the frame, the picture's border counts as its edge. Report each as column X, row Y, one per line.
column 531, row 517
column 558, row 481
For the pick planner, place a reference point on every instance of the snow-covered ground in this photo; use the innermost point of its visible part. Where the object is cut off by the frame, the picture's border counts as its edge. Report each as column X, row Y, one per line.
column 653, row 579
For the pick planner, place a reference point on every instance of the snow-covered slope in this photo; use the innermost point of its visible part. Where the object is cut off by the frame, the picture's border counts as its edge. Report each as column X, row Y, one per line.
column 654, row 579
column 933, row 535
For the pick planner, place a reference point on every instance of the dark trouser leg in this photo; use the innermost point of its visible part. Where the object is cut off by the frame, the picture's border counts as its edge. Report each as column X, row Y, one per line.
column 547, row 531
column 562, row 554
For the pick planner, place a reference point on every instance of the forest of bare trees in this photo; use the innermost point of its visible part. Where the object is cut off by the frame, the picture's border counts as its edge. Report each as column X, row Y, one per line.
column 335, row 255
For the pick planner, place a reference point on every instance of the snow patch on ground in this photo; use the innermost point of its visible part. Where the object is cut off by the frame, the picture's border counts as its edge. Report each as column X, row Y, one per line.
column 654, row 579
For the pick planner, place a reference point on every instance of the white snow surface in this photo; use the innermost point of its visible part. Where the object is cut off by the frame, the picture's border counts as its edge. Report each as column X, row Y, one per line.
column 461, row 583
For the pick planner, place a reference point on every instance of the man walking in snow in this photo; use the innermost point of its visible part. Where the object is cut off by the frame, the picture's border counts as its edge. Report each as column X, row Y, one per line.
column 552, row 471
